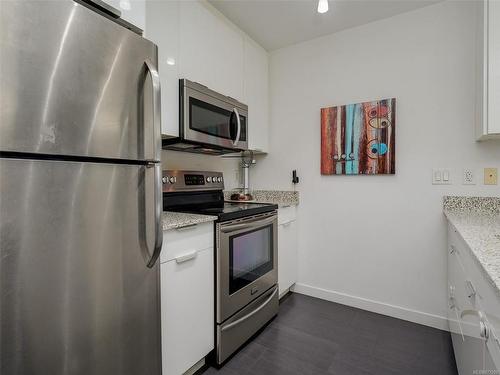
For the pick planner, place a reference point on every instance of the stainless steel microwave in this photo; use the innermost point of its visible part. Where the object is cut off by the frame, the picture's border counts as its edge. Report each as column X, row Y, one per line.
column 209, row 122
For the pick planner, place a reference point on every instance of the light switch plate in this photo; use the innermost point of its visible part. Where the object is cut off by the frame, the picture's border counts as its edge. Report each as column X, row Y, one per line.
column 441, row 176
column 491, row 176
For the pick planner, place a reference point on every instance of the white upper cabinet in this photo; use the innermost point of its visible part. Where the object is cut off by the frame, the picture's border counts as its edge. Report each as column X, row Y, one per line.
column 256, row 95
column 488, row 70
column 133, row 11
column 211, row 49
column 198, row 43
column 163, row 30
column 494, row 67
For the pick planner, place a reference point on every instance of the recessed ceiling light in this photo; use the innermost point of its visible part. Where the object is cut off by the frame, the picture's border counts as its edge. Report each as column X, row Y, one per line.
column 125, row 4
column 323, row 6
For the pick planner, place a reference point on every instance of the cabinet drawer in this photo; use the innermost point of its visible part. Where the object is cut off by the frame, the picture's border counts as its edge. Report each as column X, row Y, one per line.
column 182, row 241
column 493, row 345
column 187, row 311
column 485, row 297
column 286, row 214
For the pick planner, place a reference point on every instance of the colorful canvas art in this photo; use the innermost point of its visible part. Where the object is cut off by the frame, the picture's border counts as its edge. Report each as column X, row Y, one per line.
column 359, row 138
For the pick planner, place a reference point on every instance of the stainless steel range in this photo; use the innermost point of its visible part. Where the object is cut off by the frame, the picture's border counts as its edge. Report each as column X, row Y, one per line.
column 246, row 258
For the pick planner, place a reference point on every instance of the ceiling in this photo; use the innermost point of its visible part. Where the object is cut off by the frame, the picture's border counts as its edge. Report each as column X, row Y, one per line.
column 279, row 23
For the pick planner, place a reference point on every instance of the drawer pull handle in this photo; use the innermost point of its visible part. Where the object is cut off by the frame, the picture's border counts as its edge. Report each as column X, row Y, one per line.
column 452, row 249
column 186, row 227
column 186, row 257
column 286, row 223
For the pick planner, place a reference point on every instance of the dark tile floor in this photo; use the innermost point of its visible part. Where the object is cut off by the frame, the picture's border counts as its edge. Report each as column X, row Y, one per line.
column 312, row 336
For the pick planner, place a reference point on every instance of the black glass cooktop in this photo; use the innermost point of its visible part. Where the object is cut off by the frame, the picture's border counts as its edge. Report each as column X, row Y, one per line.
column 212, row 203
column 231, row 211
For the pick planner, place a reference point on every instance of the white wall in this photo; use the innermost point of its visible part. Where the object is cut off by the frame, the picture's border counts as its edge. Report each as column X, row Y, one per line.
column 379, row 238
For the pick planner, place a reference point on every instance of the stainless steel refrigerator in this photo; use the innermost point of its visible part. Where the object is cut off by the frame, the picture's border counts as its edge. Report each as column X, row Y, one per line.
column 80, row 193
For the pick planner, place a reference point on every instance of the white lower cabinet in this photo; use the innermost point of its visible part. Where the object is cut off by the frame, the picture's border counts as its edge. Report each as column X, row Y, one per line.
column 187, row 303
column 287, row 248
column 473, row 311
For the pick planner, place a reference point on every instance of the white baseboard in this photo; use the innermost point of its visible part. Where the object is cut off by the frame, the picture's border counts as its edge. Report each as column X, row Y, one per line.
column 431, row 320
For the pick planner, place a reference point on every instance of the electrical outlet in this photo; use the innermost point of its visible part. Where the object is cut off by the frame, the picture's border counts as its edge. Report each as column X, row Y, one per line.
column 490, row 176
column 469, row 177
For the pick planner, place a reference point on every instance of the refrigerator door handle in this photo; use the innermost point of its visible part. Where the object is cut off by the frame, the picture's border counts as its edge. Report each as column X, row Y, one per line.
column 158, row 202
column 156, row 163
column 155, row 79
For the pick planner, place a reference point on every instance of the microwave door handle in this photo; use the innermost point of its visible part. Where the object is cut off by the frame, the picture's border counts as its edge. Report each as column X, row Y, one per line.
column 238, row 131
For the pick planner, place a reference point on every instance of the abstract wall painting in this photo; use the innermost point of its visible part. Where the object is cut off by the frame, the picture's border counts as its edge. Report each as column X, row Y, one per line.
column 359, row 138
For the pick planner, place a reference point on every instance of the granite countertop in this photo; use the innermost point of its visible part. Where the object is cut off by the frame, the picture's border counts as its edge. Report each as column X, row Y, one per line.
column 478, row 222
column 280, row 197
column 173, row 220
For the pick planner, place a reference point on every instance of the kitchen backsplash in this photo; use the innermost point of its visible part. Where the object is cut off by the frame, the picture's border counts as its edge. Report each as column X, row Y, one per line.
column 184, row 160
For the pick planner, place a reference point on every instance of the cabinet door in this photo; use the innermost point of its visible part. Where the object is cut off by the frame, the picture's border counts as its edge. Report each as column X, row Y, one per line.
column 287, row 255
column 187, row 309
column 257, row 95
column 210, row 49
column 493, row 67
column 162, row 28
column 133, row 11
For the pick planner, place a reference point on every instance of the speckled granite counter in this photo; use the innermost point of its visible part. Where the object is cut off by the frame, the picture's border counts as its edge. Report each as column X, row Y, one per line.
column 172, row 220
column 478, row 222
column 279, row 197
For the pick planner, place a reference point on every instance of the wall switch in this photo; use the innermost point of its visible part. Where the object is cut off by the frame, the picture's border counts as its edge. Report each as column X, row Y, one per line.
column 469, row 177
column 490, row 176
column 441, row 176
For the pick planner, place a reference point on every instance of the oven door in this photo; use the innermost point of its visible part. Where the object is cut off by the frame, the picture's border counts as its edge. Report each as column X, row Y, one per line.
column 247, row 261
column 211, row 121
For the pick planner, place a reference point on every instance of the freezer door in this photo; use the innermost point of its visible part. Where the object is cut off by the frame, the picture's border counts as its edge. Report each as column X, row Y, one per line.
column 75, row 83
column 76, row 294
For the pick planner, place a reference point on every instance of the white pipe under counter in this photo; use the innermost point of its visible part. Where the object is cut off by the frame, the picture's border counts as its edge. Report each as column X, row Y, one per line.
column 474, row 282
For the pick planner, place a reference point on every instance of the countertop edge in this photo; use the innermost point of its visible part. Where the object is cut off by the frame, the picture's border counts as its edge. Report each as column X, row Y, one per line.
column 175, row 220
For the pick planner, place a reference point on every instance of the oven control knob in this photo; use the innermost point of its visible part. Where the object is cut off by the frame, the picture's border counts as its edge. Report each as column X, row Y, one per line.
column 164, row 180
column 209, row 179
column 219, row 179
column 172, row 180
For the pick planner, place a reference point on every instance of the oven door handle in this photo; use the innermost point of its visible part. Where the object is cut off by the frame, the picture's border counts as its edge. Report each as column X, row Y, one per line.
column 247, row 225
column 249, row 315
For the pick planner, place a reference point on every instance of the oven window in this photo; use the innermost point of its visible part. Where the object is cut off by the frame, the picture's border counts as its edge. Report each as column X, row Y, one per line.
column 250, row 257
